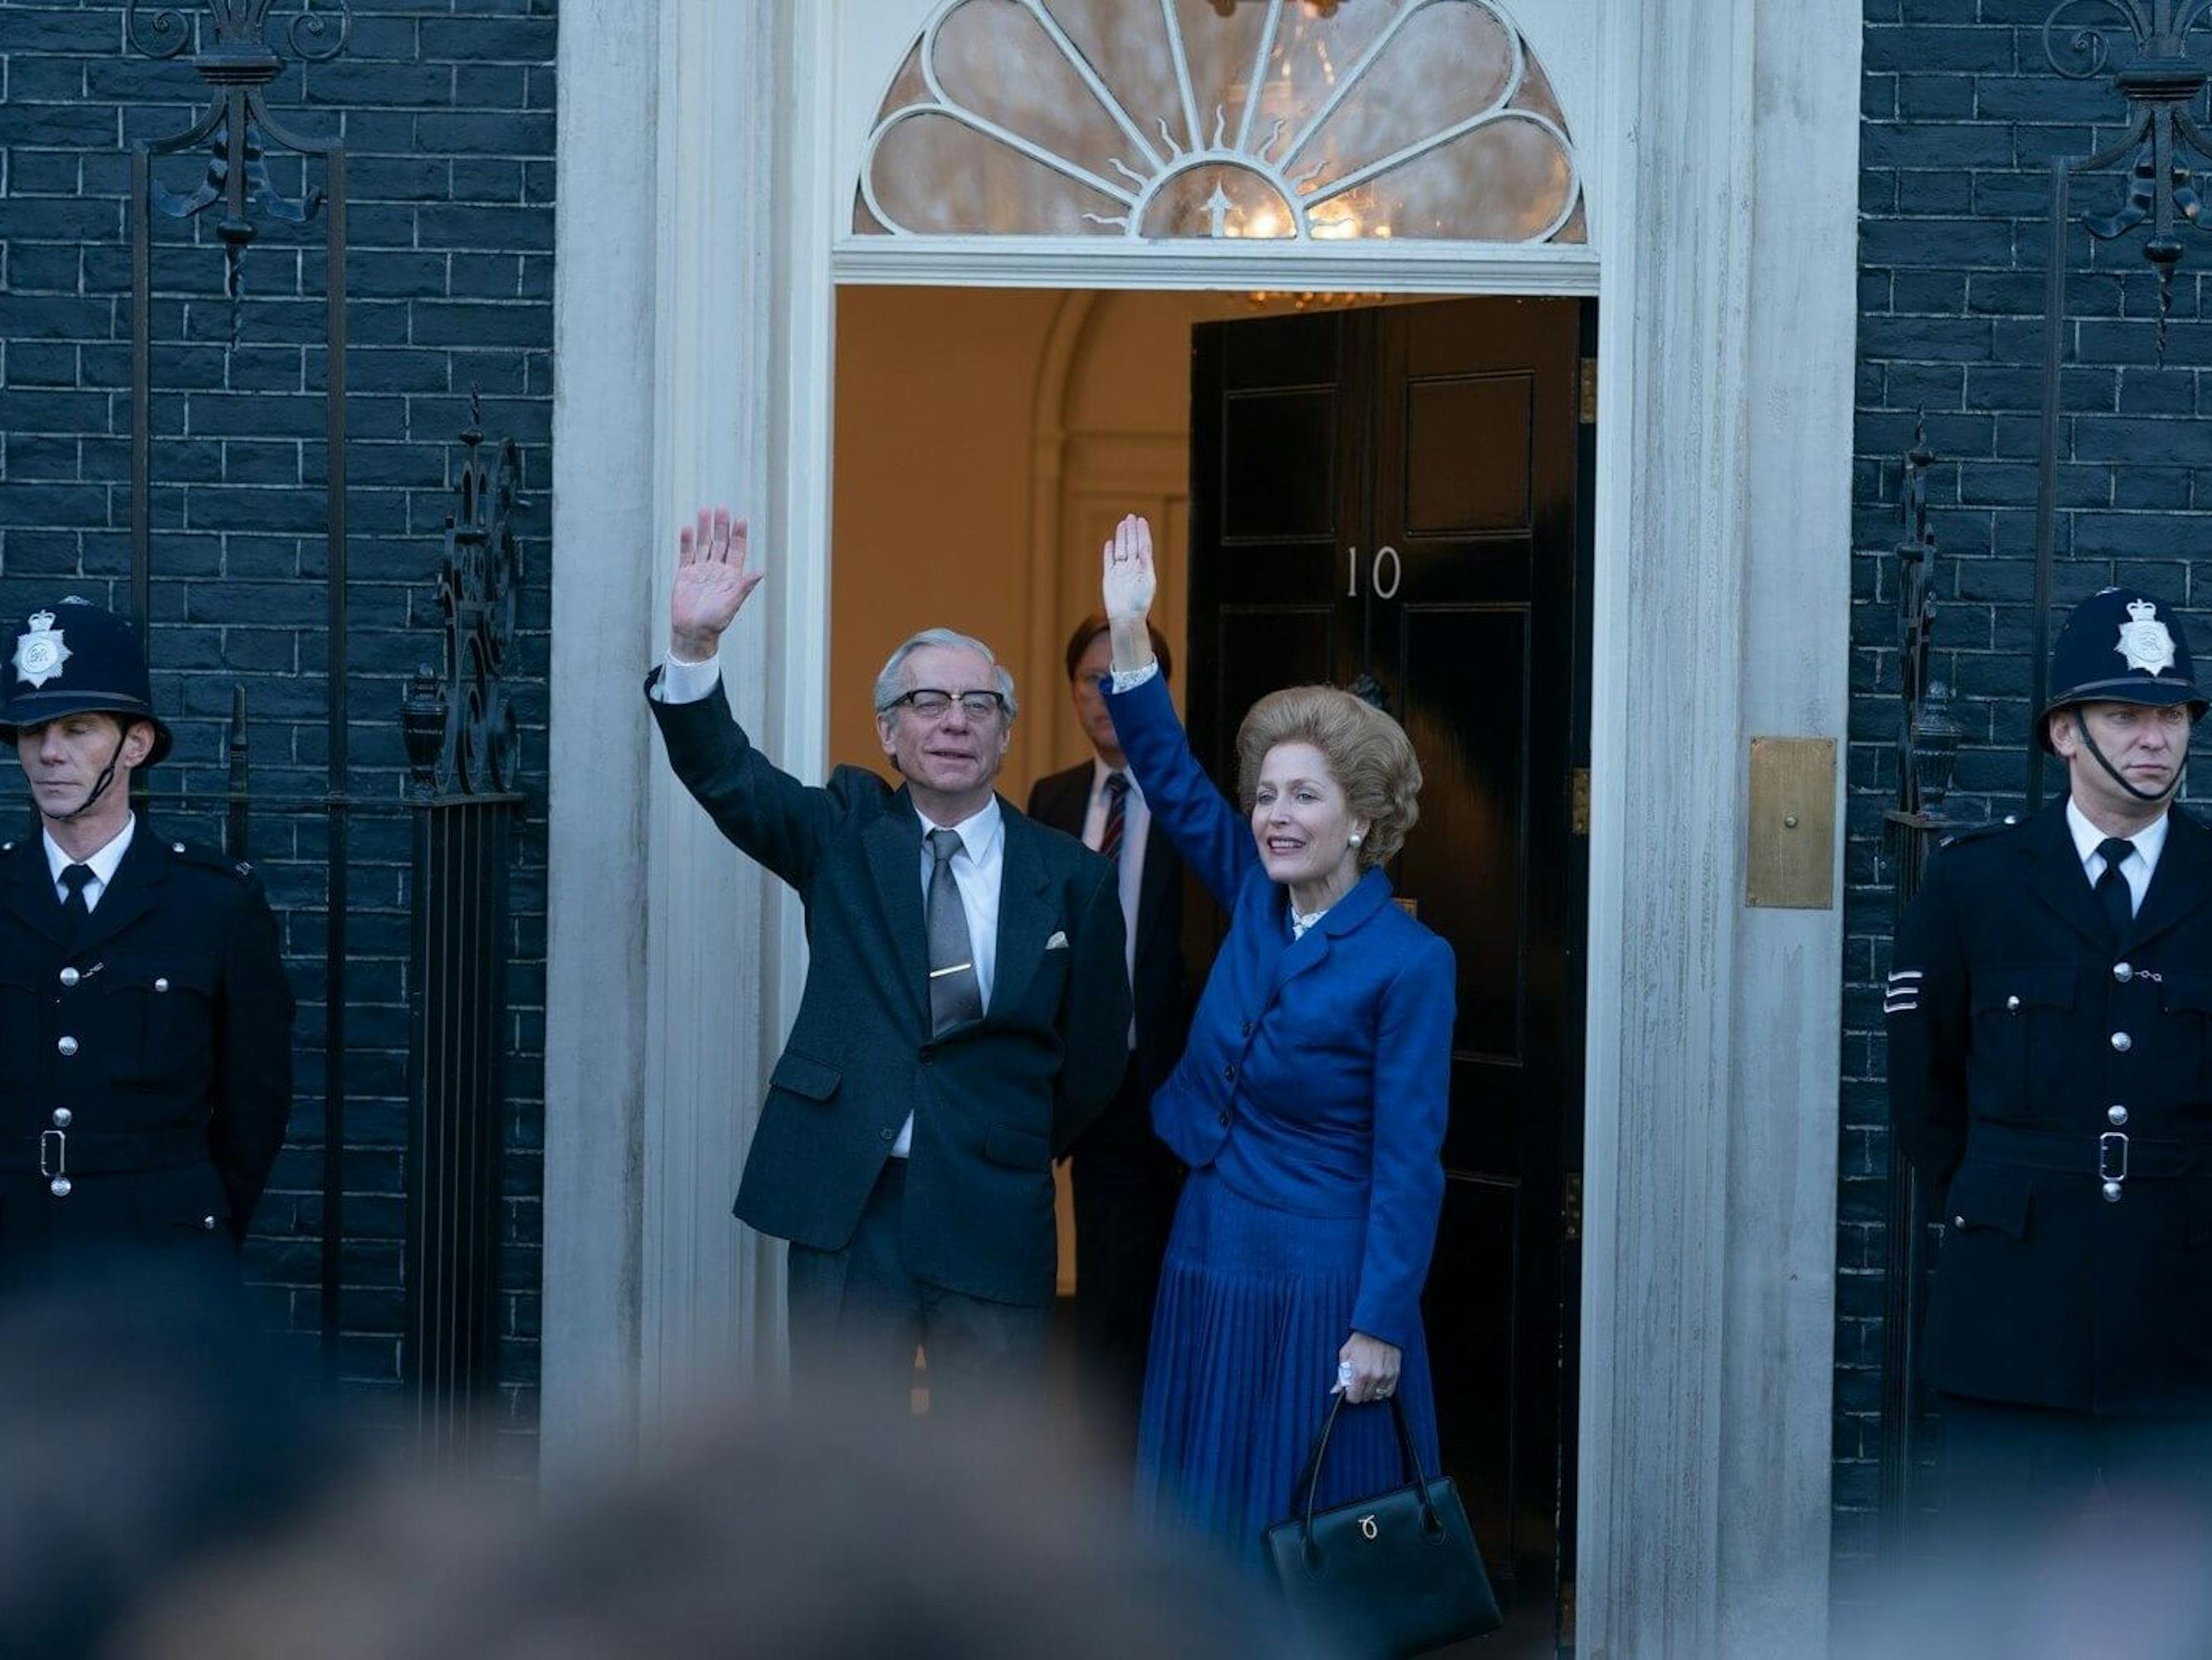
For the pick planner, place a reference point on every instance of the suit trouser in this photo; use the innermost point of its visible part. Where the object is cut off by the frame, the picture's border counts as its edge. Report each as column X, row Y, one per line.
column 1125, row 1183
column 2061, row 1529
column 857, row 1317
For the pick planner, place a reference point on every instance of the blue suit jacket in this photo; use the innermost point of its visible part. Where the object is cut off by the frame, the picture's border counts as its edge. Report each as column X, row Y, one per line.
column 1317, row 1077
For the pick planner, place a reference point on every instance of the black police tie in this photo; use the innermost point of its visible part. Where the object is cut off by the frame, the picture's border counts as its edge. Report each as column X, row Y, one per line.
column 956, row 996
column 75, row 912
column 2112, row 887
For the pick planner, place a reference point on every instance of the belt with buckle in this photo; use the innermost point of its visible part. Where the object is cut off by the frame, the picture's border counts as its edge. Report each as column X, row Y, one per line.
column 2106, row 1156
column 56, row 1152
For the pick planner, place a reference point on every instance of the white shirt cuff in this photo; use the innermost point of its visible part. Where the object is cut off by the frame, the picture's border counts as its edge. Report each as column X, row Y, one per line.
column 1130, row 679
column 686, row 683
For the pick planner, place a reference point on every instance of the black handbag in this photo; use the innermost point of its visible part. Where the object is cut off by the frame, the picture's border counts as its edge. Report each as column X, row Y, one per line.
column 1396, row 1574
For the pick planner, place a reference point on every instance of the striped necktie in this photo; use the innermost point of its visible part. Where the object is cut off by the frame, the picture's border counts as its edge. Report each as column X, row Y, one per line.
column 1117, row 805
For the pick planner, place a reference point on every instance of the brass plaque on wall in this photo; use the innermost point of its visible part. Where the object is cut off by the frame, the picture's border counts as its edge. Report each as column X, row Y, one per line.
column 1791, row 862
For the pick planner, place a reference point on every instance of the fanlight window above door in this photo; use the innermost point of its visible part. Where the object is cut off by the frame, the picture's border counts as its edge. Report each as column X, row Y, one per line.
column 1139, row 119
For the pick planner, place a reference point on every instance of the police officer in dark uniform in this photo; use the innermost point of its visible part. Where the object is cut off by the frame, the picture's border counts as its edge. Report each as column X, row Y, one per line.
column 145, row 1024
column 2050, row 1013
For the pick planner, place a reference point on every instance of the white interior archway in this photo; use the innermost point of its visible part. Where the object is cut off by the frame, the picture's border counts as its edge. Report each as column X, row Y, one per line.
column 698, row 252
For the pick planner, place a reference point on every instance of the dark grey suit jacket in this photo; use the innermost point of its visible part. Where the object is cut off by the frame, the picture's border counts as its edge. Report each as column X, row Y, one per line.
column 1062, row 799
column 992, row 1102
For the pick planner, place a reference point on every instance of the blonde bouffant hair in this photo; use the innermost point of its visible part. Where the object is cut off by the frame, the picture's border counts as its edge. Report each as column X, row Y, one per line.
column 1367, row 753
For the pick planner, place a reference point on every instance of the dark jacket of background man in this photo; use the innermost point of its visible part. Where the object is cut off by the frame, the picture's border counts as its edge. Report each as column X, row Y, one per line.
column 1123, row 1178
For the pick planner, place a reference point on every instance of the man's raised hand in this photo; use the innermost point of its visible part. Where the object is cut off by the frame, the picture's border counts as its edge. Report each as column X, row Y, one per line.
column 712, row 584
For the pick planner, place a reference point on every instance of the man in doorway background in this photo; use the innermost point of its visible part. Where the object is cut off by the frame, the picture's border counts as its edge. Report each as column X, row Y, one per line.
column 2049, row 1011
column 965, row 1015
column 145, row 1024
column 1124, row 1178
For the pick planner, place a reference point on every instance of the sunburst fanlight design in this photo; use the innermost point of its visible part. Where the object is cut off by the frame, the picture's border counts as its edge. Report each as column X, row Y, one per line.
column 1425, row 119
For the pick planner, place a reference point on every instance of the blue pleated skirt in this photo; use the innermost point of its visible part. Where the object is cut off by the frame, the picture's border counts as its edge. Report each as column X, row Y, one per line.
column 1254, row 1304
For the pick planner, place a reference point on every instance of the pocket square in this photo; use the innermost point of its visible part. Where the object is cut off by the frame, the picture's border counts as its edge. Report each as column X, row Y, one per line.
column 1058, row 942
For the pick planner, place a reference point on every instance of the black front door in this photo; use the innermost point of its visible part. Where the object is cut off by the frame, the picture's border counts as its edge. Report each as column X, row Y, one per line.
column 1397, row 493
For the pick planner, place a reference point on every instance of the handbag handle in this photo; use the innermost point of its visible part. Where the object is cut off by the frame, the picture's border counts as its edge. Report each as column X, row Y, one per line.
column 1409, row 1464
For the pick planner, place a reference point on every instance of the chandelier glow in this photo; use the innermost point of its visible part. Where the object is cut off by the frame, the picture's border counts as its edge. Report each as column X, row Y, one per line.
column 1415, row 119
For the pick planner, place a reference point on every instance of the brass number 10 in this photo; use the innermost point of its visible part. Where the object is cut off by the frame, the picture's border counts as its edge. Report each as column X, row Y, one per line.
column 1374, row 574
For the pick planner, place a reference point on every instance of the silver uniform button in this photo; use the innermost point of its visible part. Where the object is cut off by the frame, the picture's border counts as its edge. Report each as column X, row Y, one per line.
column 176, row 847
column 1958, row 1221
column 2122, row 1042
column 67, row 1046
column 70, row 976
column 63, row 1116
column 161, row 984
column 207, row 1225
column 59, row 1187
column 2117, row 1113
column 2012, row 1004
column 2123, row 972
column 2111, row 1193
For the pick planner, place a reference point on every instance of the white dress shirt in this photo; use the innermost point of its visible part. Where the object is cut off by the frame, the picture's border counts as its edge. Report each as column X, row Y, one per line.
column 686, row 683
column 976, row 868
column 103, row 863
column 2137, row 868
column 1136, row 830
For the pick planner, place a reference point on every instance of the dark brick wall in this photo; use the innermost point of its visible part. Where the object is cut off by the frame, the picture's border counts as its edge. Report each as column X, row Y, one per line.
column 445, row 109
column 1962, row 111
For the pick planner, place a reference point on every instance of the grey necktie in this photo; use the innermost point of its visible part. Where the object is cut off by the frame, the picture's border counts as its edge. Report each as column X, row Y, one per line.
column 956, row 996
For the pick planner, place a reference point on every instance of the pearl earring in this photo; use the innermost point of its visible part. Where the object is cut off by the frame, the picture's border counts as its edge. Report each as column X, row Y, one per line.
column 1356, row 838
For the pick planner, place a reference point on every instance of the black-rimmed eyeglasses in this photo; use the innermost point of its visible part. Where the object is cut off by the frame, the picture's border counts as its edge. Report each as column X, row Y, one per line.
column 931, row 702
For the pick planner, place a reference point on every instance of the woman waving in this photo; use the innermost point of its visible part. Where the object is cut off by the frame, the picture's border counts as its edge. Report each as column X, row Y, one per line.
column 1309, row 1106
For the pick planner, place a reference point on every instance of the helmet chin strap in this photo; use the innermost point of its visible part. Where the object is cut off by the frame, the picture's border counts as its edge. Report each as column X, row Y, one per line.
column 2081, row 730
column 107, row 776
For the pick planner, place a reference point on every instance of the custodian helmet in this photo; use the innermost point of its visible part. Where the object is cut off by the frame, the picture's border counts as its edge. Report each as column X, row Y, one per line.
column 76, row 658
column 2120, row 645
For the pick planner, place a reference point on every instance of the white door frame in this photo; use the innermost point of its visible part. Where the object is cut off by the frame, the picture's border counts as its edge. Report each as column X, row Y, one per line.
column 698, row 254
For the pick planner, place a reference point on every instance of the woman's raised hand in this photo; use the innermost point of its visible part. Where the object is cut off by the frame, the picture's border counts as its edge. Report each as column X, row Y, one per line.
column 1128, row 582
column 712, row 584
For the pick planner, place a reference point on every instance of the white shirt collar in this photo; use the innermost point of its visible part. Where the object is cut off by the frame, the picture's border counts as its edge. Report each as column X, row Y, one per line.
column 980, row 833
column 2149, row 842
column 103, row 862
column 1100, row 772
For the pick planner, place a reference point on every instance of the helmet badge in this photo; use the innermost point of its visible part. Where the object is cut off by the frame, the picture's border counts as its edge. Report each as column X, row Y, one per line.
column 2144, row 640
column 40, row 653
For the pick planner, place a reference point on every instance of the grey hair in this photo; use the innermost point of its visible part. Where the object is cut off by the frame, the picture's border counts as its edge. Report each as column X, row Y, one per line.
column 890, row 684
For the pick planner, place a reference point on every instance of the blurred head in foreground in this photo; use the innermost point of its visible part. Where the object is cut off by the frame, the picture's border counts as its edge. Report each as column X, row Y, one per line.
column 798, row 1534
column 144, row 1426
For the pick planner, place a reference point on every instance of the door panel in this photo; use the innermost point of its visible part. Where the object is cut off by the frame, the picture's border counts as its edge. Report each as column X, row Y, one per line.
column 1451, row 572
column 1477, row 432
column 1465, row 863
column 1279, row 452
column 1481, row 1223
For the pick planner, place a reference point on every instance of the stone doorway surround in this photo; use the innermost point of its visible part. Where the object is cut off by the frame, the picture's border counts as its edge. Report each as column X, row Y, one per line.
column 698, row 197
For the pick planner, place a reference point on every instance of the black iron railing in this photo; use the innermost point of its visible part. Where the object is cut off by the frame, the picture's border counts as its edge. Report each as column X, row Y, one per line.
column 1927, row 747
column 2144, row 46
column 458, row 718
